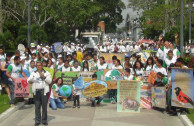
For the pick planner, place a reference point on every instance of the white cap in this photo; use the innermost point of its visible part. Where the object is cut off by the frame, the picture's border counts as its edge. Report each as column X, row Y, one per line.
column 59, row 56
column 32, row 45
column 22, row 57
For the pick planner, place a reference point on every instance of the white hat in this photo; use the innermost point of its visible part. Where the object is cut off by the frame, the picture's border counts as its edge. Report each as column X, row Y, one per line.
column 32, row 45
column 59, row 56
column 34, row 51
column 22, row 57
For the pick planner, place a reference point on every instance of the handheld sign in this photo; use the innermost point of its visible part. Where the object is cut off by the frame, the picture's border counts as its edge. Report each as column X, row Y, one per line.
column 21, row 48
column 58, row 47
column 95, row 89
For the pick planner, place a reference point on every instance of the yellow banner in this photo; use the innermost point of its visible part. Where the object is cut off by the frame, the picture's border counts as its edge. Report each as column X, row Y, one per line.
column 95, row 93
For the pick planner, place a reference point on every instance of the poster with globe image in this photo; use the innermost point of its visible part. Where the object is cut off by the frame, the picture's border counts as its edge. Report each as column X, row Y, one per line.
column 113, row 75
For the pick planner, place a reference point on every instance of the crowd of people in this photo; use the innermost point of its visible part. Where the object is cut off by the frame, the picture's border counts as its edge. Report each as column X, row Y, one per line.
column 76, row 57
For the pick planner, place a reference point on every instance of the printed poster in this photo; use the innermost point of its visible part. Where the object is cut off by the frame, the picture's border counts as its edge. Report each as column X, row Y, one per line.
column 113, row 75
column 128, row 96
column 159, row 97
column 87, row 76
column 58, row 48
column 95, row 89
column 146, row 97
column 67, row 77
column 21, row 88
column 108, row 57
column 182, row 88
column 151, row 77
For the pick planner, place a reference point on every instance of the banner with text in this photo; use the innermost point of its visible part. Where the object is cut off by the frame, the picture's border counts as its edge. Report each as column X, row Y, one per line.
column 159, row 97
column 21, row 87
column 67, row 77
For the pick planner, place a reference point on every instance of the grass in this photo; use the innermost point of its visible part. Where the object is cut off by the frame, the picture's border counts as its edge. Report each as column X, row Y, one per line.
column 191, row 115
column 4, row 103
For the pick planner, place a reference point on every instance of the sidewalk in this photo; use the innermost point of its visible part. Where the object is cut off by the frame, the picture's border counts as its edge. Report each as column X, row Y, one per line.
column 105, row 115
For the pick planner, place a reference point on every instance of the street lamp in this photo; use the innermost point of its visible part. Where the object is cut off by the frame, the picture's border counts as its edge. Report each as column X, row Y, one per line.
column 190, row 10
column 29, row 23
column 36, row 13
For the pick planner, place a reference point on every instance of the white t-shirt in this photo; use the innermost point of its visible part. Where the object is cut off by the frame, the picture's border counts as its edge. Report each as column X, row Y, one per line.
column 162, row 70
column 169, row 61
column 59, row 67
column 139, row 72
column 78, row 92
column 128, row 78
column 2, row 59
column 101, row 67
column 160, row 54
column 165, row 52
column 118, row 67
column 64, row 69
column 103, row 49
column 76, row 69
column 122, row 49
column 149, row 68
column 56, row 88
column 14, row 70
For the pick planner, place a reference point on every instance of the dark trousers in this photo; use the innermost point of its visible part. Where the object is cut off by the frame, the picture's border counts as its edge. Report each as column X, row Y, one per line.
column 76, row 98
column 40, row 100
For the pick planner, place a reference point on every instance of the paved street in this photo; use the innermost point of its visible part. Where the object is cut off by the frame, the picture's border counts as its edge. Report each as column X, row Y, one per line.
column 105, row 115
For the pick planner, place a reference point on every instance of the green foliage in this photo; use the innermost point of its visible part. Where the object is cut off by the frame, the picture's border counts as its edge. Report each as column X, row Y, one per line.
column 57, row 20
column 191, row 115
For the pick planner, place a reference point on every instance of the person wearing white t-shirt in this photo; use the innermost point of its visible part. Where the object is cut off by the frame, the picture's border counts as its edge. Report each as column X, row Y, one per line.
column 103, row 49
column 128, row 75
column 59, row 65
column 86, row 67
column 13, row 72
column 117, row 65
column 138, row 69
column 159, row 67
column 149, row 64
column 54, row 99
column 102, row 64
column 66, row 67
column 180, row 63
column 122, row 49
column 32, row 67
column 76, row 67
column 170, row 59
column 166, row 49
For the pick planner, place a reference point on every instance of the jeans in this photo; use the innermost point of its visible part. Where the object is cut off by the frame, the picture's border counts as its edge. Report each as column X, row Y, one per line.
column 56, row 103
column 76, row 98
column 93, row 99
column 40, row 100
column 11, row 85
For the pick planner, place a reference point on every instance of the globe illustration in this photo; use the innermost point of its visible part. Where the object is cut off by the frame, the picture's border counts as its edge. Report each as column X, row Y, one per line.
column 113, row 75
column 65, row 91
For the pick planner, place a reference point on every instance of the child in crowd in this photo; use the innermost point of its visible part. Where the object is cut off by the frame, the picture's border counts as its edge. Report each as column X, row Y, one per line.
column 161, row 80
column 76, row 94
column 128, row 75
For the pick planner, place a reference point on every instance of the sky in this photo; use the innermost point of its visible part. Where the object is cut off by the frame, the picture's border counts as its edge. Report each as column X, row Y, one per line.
column 133, row 14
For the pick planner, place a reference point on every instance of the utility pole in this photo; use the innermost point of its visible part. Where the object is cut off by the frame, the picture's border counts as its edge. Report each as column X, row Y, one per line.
column 29, row 23
column 182, row 32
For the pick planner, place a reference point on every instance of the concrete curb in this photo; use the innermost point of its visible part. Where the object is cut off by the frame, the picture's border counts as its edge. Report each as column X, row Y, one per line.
column 10, row 111
column 185, row 120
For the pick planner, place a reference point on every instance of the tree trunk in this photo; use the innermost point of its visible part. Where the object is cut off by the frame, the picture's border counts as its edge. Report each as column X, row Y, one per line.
column 1, row 17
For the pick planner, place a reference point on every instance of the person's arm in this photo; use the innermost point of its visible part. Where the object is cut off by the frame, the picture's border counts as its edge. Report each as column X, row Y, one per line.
column 56, row 95
column 3, row 67
column 176, row 40
column 169, row 87
column 41, row 54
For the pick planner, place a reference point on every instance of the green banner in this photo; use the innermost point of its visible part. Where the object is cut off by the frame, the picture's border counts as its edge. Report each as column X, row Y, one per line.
column 51, row 71
column 128, row 96
column 67, row 77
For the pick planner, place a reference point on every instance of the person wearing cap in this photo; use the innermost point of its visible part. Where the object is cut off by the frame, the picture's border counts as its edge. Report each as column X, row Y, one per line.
column 13, row 72
column 45, row 55
column 32, row 47
column 22, row 61
column 127, row 59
